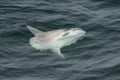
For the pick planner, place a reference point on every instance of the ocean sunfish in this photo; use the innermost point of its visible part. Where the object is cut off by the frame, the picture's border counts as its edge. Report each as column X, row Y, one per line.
column 54, row 40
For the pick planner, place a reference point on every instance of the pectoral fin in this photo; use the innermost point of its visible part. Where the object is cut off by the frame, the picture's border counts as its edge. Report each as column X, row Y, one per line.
column 35, row 31
column 58, row 52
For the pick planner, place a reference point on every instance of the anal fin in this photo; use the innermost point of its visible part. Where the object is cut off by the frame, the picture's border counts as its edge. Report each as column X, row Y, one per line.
column 58, row 52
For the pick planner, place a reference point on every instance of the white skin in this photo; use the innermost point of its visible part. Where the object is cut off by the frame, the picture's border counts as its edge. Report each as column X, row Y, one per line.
column 56, row 39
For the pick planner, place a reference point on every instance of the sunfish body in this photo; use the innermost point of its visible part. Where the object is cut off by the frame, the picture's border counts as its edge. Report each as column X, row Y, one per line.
column 55, row 40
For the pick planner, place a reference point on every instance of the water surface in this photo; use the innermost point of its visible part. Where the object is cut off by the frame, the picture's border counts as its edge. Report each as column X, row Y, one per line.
column 96, row 57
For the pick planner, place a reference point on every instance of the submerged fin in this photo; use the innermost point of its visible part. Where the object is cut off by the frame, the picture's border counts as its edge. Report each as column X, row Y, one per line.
column 58, row 52
column 35, row 31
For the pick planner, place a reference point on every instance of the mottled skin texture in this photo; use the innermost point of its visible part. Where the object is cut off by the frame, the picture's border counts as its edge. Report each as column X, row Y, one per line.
column 53, row 34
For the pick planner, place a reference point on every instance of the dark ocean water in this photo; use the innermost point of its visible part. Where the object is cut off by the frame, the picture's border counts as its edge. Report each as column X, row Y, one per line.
column 96, row 57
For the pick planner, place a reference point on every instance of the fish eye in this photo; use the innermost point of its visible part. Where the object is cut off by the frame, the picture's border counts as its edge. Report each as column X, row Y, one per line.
column 66, row 34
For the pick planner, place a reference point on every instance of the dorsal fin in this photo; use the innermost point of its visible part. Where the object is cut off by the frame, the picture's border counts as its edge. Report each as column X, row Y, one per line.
column 35, row 31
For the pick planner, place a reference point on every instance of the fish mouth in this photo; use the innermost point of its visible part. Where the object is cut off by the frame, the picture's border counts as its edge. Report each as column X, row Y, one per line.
column 82, row 32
